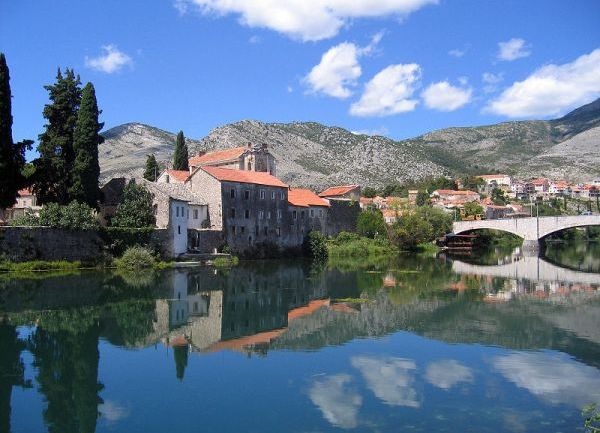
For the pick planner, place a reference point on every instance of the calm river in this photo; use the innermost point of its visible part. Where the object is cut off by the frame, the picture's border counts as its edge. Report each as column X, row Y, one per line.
column 504, row 343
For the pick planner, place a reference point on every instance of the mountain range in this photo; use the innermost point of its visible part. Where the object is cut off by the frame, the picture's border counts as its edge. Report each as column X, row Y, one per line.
column 313, row 155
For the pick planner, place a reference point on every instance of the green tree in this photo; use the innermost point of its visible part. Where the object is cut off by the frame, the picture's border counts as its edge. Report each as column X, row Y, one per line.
column 12, row 156
column 152, row 170
column 369, row 192
column 370, row 223
column 135, row 211
column 441, row 222
column 74, row 216
column 472, row 183
column 498, row 197
column 180, row 156
column 422, row 199
column 472, row 208
column 315, row 245
column 410, row 230
column 53, row 168
column 86, row 169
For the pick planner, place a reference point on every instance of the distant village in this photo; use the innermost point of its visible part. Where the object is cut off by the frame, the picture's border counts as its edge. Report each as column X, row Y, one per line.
column 233, row 197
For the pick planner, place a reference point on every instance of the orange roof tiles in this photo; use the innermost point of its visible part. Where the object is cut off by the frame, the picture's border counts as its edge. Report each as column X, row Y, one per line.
column 180, row 175
column 335, row 191
column 452, row 192
column 218, row 156
column 254, row 177
column 305, row 197
column 25, row 192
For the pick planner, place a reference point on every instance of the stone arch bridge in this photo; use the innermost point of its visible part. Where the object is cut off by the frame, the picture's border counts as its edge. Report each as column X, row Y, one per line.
column 531, row 230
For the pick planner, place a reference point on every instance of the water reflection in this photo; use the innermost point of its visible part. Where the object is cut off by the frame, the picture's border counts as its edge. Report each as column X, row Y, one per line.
column 524, row 324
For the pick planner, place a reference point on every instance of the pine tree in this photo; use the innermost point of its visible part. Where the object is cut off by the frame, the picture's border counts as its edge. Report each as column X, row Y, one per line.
column 152, row 169
column 54, row 166
column 86, row 169
column 12, row 156
column 180, row 156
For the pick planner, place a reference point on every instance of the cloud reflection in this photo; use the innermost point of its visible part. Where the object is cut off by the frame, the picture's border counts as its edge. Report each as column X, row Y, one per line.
column 112, row 411
column 336, row 399
column 552, row 377
column 390, row 379
column 446, row 373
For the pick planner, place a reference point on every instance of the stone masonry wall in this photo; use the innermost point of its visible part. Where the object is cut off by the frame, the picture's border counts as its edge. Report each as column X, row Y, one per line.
column 342, row 217
column 44, row 243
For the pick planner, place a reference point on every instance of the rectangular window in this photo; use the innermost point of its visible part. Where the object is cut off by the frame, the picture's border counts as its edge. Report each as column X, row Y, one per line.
column 266, row 231
column 178, row 230
column 262, row 194
column 272, row 195
column 279, row 214
column 320, row 212
column 268, row 214
column 261, row 214
column 195, row 214
column 312, row 213
column 177, row 210
column 247, row 195
column 302, row 215
column 232, row 213
column 242, row 229
column 281, row 195
column 294, row 214
column 188, row 214
column 232, row 193
column 278, row 231
column 256, row 230
column 247, row 213
column 233, row 229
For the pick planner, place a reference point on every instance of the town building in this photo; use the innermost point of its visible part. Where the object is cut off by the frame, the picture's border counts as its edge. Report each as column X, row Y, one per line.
column 247, row 158
column 344, row 192
column 26, row 203
column 495, row 180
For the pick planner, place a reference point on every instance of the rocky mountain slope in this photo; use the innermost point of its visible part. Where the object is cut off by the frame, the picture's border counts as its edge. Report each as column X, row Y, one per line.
column 313, row 155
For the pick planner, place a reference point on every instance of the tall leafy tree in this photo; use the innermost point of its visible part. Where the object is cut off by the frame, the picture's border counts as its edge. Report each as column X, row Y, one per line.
column 12, row 156
column 180, row 156
column 152, row 170
column 135, row 211
column 86, row 169
column 53, row 168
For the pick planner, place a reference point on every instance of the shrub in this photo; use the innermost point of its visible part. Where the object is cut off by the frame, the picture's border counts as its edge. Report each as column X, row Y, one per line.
column 225, row 262
column 119, row 239
column 74, row 216
column 315, row 245
column 441, row 222
column 410, row 231
column 136, row 258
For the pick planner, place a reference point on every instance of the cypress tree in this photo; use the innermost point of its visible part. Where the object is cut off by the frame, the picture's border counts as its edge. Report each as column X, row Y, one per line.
column 12, row 156
column 86, row 169
column 53, row 168
column 180, row 156
column 152, row 169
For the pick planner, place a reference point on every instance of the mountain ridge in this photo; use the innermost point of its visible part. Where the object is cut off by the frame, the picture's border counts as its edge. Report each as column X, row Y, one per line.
column 313, row 155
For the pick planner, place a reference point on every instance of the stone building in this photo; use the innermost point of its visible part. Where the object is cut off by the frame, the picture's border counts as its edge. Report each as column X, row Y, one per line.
column 247, row 158
column 345, row 192
column 309, row 212
column 173, row 176
column 26, row 202
column 251, row 208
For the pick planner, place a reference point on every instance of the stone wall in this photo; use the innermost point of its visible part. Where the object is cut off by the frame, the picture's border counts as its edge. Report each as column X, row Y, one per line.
column 342, row 217
column 205, row 241
column 44, row 243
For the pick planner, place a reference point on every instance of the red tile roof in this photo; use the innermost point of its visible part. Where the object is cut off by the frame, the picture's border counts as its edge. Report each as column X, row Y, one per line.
column 242, row 176
column 180, row 175
column 305, row 198
column 25, row 192
column 452, row 192
column 218, row 156
column 335, row 191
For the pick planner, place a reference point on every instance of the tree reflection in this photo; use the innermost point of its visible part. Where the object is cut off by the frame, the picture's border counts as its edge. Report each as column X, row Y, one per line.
column 11, row 371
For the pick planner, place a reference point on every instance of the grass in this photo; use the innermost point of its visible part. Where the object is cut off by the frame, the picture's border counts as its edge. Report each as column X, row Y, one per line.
column 40, row 265
column 357, row 246
column 225, row 262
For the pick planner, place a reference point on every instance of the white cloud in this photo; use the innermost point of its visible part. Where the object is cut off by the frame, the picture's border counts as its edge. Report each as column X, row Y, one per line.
column 552, row 89
column 457, row 52
column 339, row 69
column 389, row 92
column 336, row 72
column 554, row 378
column 181, row 6
column 447, row 373
column 112, row 60
column 338, row 402
column 290, row 89
column 443, row 96
column 390, row 379
column 491, row 81
column 513, row 49
column 254, row 39
column 306, row 20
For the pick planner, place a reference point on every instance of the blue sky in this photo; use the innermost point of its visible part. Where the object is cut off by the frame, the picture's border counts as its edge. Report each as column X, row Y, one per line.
column 396, row 67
